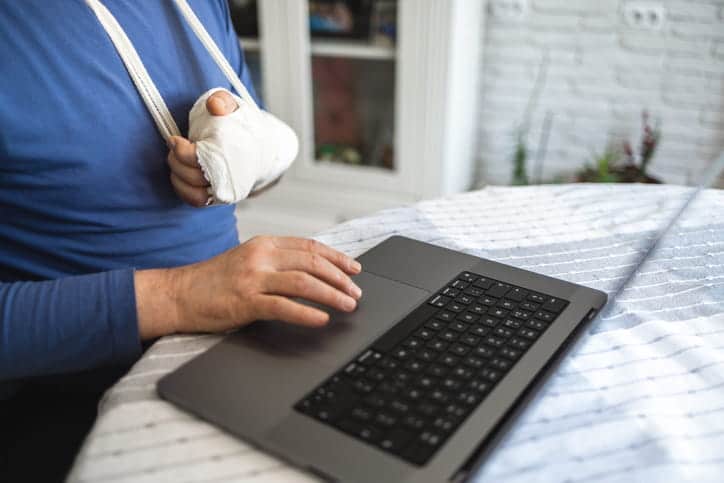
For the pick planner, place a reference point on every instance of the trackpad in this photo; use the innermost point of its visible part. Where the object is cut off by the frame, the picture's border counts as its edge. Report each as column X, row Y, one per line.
column 384, row 302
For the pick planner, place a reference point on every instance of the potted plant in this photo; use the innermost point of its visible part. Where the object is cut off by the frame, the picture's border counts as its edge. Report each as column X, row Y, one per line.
column 608, row 168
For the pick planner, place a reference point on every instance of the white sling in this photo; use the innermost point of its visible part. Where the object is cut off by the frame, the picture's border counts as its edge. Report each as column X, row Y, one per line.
column 234, row 165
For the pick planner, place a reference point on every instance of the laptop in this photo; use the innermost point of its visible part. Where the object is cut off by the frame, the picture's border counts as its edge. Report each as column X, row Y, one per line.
column 416, row 385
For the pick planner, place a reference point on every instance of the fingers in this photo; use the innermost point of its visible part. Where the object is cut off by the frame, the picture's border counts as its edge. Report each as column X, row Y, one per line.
column 304, row 285
column 274, row 307
column 221, row 103
column 184, row 150
column 318, row 266
column 192, row 176
column 193, row 195
column 341, row 260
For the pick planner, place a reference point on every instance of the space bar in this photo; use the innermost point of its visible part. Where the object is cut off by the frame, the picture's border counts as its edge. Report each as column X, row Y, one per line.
column 402, row 329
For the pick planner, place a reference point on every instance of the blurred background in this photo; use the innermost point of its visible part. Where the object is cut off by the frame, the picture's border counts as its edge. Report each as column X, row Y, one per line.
column 397, row 101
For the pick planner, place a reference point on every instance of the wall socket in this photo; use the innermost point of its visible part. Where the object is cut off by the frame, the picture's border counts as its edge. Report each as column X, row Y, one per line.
column 508, row 9
column 644, row 15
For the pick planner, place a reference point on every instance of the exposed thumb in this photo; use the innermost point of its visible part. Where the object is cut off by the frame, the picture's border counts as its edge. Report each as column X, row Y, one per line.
column 221, row 103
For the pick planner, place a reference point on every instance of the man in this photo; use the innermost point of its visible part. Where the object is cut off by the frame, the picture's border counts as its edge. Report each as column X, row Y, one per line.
column 103, row 243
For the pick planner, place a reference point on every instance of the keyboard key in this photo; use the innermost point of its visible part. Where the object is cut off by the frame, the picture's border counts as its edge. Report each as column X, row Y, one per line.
column 513, row 324
column 361, row 414
column 459, row 326
column 490, row 321
column 507, row 304
column 491, row 375
column 413, row 422
column 444, row 425
column 483, row 351
column 445, row 316
column 468, row 317
column 545, row 316
column 436, row 370
column 462, row 372
column 396, row 440
column 517, row 294
column 537, row 298
column 448, row 335
column 536, row 324
column 483, row 283
column 478, row 330
column 455, row 411
column 425, row 334
column 450, row 292
column 509, row 353
column 449, row 360
column 456, row 307
column 521, row 314
column 519, row 343
column 494, row 341
column 414, row 366
column 470, row 340
column 500, row 363
column 402, row 353
column 498, row 290
column 460, row 284
column 426, row 382
column 439, row 301
column 478, row 309
column 369, row 357
column 370, row 434
column 464, row 299
column 479, row 386
column 468, row 398
column 459, row 349
column 474, row 292
column 439, row 397
column 528, row 333
column 474, row 362
column 451, row 384
column 468, row 277
column 497, row 312
column 428, row 409
column 554, row 305
column 385, row 419
column 530, row 306
column 486, row 300
column 412, row 343
column 398, row 406
column 427, row 355
column 503, row 332
column 437, row 345
column 436, row 324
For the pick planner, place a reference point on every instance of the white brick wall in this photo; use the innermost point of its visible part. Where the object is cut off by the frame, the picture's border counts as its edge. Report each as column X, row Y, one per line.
column 601, row 73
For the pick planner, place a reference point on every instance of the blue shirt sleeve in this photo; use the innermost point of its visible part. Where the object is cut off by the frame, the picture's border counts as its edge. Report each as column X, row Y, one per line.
column 68, row 324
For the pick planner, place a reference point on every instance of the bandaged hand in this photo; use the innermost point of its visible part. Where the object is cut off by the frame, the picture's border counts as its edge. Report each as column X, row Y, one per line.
column 233, row 151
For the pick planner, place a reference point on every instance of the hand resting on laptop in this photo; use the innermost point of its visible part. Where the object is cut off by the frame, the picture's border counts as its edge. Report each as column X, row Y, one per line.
column 252, row 281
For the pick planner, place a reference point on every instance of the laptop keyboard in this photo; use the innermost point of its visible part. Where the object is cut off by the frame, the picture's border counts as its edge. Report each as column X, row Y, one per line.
column 414, row 386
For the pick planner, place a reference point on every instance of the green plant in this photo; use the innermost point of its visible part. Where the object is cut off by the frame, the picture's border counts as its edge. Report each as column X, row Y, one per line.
column 604, row 163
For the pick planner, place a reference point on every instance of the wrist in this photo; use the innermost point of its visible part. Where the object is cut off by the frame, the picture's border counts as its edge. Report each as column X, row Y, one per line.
column 157, row 302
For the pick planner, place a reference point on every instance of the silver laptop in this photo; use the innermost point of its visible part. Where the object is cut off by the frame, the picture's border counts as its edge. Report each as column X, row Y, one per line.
column 416, row 385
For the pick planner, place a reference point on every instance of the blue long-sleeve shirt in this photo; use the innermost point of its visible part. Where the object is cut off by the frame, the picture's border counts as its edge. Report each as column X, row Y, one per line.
column 85, row 196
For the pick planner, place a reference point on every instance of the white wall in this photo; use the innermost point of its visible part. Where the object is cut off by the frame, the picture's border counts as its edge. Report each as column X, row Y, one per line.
column 601, row 73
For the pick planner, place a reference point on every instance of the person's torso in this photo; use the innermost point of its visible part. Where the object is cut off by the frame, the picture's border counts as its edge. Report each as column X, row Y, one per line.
column 84, row 184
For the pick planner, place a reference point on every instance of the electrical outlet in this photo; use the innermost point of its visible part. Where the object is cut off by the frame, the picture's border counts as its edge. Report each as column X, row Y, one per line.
column 644, row 15
column 508, row 9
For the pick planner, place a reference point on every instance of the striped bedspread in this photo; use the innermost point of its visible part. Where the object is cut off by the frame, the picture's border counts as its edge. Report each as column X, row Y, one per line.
column 641, row 397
